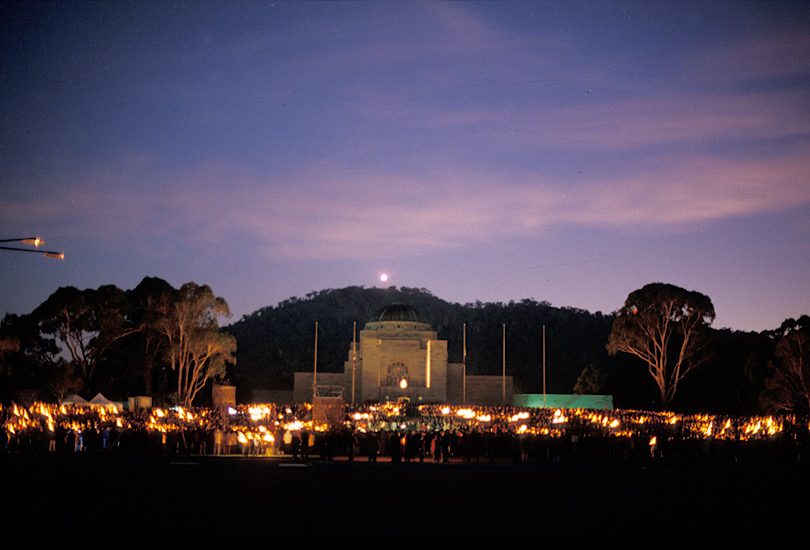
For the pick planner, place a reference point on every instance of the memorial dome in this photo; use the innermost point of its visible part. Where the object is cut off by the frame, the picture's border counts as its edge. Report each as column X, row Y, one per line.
column 399, row 312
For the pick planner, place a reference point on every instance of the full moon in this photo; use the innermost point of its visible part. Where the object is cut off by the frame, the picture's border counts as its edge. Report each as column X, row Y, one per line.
column 384, row 277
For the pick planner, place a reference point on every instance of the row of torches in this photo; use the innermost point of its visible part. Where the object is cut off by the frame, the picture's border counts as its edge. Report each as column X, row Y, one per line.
column 558, row 422
column 261, row 424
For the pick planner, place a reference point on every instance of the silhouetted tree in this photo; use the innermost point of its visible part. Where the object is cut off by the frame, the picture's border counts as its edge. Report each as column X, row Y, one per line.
column 787, row 386
column 591, row 381
column 151, row 301
column 196, row 348
column 664, row 326
column 30, row 361
column 85, row 324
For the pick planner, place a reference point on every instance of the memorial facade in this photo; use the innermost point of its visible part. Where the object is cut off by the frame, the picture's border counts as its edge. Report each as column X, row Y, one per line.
column 398, row 356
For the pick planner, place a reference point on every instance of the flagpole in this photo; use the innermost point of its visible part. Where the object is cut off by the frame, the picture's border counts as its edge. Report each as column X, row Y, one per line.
column 464, row 355
column 503, row 374
column 544, row 365
column 354, row 356
column 315, row 363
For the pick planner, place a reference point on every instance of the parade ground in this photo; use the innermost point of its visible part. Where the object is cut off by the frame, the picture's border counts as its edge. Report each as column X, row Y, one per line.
column 184, row 497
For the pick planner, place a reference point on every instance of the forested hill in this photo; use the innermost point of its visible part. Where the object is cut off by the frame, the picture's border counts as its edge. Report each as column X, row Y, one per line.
column 276, row 341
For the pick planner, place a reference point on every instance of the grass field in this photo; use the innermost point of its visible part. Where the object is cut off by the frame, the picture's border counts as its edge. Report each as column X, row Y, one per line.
column 120, row 498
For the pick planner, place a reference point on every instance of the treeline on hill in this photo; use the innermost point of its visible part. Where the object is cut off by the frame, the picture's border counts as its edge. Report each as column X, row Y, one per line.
column 166, row 342
column 276, row 341
column 152, row 340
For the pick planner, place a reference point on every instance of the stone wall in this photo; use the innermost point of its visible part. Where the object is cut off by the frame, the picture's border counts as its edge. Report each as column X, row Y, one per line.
column 303, row 384
column 455, row 383
column 488, row 390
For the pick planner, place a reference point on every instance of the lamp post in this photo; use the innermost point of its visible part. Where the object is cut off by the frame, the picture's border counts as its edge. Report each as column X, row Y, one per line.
column 36, row 242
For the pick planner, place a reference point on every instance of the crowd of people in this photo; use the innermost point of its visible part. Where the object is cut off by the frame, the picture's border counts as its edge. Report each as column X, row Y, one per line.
column 407, row 433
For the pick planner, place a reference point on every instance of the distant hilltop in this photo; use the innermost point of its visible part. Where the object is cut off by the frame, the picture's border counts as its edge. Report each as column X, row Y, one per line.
column 276, row 341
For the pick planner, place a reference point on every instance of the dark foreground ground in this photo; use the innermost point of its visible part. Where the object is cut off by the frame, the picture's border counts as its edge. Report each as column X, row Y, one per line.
column 120, row 498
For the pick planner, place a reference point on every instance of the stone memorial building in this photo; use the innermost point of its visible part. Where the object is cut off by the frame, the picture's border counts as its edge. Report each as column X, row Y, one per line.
column 398, row 356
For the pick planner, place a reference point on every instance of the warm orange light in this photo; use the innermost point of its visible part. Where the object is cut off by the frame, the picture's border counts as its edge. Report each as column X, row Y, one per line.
column 465, row 413
column 559, row 417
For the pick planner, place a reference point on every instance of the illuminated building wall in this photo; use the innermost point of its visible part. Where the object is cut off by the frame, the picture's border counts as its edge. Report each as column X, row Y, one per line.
column 399, row 356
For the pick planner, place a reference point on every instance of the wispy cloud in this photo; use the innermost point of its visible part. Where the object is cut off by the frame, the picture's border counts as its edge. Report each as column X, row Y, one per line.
column 323, row 215
column 697, row 119
column 777, row 53
column 665, row 150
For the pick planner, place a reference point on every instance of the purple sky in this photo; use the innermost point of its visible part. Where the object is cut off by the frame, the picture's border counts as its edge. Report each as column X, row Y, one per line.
column 568, row 152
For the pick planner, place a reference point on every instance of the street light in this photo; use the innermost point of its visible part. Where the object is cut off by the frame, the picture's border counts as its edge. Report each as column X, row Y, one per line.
column 35, row 242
